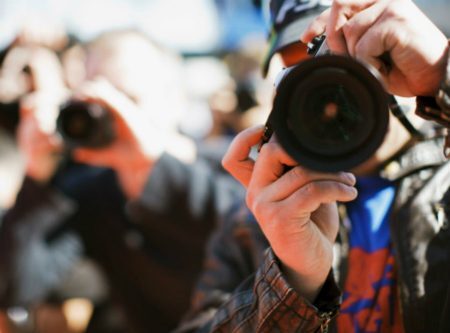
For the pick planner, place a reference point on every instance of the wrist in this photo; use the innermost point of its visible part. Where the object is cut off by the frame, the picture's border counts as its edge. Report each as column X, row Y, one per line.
column 308, row 276
column 308, row 286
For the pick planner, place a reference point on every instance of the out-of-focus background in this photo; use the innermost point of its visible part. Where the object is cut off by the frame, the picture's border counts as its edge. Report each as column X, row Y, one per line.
column 221, row 44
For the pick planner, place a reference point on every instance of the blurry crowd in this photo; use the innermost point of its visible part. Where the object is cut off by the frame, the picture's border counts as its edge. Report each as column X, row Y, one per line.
column 82, row 249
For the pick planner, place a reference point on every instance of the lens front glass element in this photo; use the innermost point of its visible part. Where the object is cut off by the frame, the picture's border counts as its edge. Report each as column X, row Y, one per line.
column 77, row 122
column 329, row 118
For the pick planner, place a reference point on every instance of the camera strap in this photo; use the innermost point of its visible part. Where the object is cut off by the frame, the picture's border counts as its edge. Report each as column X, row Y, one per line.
column 400, row 114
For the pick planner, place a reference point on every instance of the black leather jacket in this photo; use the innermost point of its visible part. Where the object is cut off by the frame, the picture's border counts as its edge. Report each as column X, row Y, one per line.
column 243, row 289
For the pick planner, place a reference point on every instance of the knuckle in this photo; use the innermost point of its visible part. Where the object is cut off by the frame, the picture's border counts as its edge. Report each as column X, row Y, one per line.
column 296, row 175
column 310, row 189
column 297, row 172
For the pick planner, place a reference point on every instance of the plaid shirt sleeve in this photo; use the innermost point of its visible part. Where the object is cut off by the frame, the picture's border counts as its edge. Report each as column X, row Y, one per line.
column 230, row 298
column 267, row 303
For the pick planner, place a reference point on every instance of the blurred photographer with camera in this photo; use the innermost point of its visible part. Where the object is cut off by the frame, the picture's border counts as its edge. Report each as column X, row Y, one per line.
column 325, row 250
column 135, row 195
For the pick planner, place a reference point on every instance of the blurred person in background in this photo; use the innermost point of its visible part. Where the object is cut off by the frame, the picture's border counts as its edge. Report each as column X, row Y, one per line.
column 247, row 100
column 142, row 213
column 231, row 91
column 15, row 79
column 34, row 36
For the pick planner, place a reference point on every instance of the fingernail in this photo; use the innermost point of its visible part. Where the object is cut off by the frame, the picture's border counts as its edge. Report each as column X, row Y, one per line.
column 351, row 177
column 353, row 191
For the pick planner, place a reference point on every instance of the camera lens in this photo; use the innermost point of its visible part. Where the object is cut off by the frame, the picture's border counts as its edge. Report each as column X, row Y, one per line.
column 85, row 124
column 330, row 113
column 327, row 121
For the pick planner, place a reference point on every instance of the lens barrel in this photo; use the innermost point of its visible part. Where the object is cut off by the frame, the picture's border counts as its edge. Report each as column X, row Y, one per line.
column 84, row 124
column 330, row 113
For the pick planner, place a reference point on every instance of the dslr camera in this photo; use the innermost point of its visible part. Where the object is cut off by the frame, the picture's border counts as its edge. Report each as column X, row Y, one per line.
column 85, row 124
column 330, row 112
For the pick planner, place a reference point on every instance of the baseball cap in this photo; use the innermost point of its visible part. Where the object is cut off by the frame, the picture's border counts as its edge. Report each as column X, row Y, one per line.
column 288, row 19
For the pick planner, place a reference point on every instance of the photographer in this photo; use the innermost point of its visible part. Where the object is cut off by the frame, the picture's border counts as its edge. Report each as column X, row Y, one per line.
column 140, row 206
column 386, row 247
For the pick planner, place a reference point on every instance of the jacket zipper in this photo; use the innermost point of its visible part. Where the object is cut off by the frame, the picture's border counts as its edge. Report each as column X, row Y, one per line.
column 325, row 318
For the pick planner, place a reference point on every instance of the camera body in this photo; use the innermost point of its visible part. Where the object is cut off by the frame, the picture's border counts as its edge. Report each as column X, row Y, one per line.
column 85, row 124
column 330, row 112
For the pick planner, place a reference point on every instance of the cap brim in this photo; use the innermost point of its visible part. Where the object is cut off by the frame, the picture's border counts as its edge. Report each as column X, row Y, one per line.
column 289, row 35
